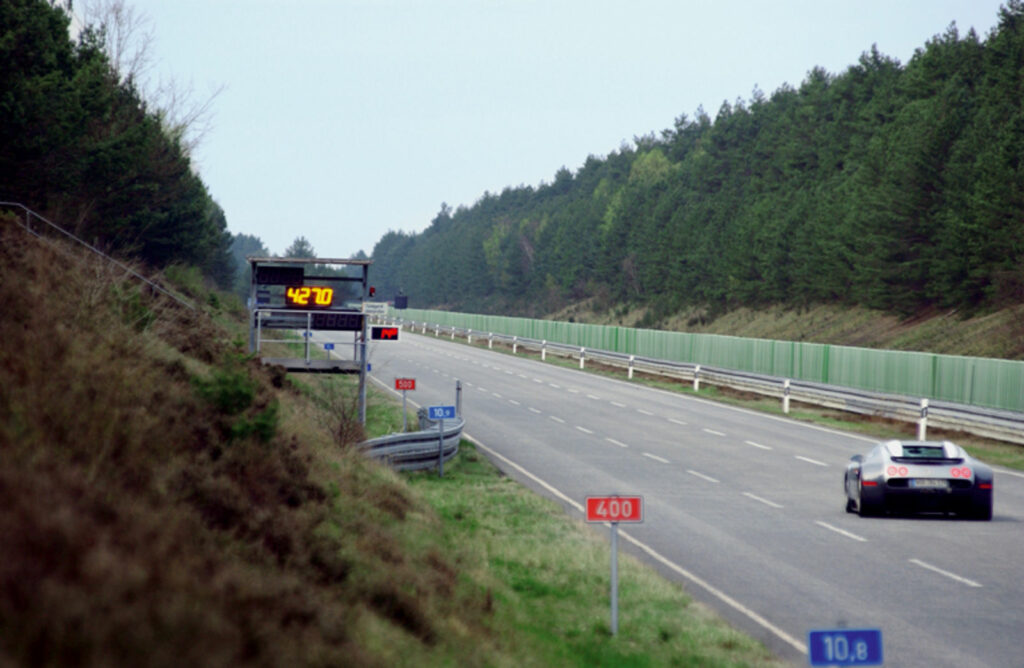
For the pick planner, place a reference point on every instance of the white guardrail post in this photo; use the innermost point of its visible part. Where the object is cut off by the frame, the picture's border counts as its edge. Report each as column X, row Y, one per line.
column 583, row 354
column 543, row 350
column 983, row 421
column 469, row 337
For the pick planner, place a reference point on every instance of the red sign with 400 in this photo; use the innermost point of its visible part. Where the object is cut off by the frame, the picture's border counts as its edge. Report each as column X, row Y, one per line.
column 615, row 508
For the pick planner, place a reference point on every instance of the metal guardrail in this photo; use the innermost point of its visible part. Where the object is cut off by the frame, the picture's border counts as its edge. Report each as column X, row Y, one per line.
column 417, row 450
column 986, row 422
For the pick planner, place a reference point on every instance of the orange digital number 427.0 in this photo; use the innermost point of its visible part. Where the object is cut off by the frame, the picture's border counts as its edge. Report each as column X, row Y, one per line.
column 310, row 295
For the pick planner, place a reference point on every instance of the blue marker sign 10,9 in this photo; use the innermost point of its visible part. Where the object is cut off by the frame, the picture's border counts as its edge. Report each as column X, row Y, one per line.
column 845, row 647
column 441, row 412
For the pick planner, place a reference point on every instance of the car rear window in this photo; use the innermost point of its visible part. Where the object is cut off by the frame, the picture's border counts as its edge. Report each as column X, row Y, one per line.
column 927, row 454
column 924, row 452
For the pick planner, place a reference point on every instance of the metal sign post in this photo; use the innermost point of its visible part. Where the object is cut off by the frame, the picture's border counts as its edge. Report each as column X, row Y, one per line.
column 614, row 509
column 405, row 384
column 440, row 413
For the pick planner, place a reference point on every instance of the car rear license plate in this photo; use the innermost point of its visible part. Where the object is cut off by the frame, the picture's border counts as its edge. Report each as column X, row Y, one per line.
column 929, row 483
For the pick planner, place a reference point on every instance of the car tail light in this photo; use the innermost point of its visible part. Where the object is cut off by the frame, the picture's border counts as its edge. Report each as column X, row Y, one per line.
column 960, row 472
column 985, row 485
column 894, row 471
column 903, row 471
column 870, row 483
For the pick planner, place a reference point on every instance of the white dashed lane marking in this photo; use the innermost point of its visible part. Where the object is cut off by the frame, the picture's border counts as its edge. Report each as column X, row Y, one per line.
column 701, row 475
column 761, row 500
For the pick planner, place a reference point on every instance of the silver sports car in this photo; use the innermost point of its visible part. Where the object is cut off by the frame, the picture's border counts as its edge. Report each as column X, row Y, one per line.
column 918, row 476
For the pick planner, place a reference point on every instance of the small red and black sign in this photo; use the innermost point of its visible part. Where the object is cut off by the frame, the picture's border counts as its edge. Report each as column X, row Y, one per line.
column 384, row 333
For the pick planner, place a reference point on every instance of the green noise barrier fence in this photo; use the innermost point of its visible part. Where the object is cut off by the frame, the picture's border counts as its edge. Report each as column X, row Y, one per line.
column 977, row 381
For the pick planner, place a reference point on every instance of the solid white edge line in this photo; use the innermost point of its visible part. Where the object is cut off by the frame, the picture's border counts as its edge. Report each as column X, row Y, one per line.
column 526, row 473
column 952, row 576
column 654, row 554
column 810, row 461
column 842, row 532
column 656, row 458
column 701, row 475
column 700, row 582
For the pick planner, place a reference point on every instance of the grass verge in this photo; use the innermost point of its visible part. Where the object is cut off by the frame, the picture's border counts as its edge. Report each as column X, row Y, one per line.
column 549, row 579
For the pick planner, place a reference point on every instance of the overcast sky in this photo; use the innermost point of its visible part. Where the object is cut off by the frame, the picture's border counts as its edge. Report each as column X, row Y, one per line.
column 342, row 119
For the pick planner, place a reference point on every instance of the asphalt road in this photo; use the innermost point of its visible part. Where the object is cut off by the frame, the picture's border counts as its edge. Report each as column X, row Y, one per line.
column 746, row 510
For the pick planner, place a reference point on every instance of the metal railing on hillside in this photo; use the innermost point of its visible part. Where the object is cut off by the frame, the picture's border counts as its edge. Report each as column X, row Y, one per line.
column 30, row 215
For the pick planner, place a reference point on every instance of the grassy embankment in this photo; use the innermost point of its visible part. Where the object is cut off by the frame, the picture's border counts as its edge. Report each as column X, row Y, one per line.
column 998, row 334
column 165, row 500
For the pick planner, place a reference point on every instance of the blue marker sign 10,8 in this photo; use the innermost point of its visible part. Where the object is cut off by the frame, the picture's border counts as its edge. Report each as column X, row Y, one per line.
column 845, row 647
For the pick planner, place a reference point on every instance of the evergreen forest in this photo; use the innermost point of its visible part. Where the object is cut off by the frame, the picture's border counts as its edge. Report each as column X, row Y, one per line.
column 890, row 186
column 80, row 145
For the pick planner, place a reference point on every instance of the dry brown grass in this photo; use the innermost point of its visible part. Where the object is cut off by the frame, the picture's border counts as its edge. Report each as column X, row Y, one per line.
column 164, row 502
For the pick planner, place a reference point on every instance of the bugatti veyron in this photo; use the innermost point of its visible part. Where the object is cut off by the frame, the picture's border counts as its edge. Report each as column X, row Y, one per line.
column 918, row 477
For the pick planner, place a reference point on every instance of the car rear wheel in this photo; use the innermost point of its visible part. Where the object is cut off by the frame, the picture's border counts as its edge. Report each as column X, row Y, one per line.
column 865, row 508
column 983, row 510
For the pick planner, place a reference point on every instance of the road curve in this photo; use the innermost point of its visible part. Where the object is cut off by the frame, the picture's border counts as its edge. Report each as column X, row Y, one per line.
column 746, row 509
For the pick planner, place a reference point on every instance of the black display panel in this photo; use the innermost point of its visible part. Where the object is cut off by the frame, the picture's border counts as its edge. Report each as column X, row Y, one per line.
column 279, row 275
column 346, row 322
